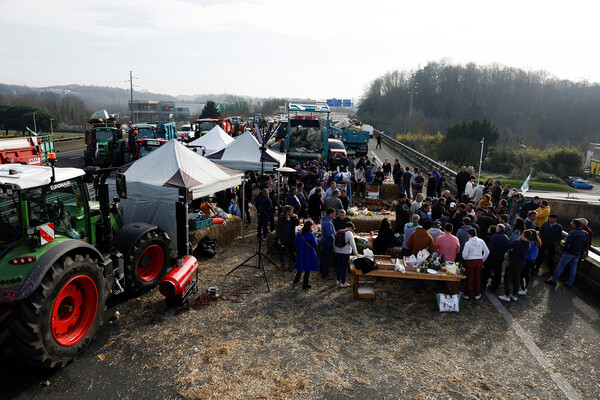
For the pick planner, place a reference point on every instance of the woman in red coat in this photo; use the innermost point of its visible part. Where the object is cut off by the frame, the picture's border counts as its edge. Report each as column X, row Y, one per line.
column 306, row 255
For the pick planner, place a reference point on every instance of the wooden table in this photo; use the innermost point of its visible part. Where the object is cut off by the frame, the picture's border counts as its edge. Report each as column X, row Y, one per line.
column 451, row 280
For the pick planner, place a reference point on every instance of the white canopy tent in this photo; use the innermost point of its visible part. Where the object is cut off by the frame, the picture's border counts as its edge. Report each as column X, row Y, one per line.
column 213, row 140
column 153, row 184
column 244, row 153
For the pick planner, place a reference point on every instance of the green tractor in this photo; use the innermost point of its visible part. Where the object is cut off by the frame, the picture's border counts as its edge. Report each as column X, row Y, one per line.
column 61, row 255
column 104, row 141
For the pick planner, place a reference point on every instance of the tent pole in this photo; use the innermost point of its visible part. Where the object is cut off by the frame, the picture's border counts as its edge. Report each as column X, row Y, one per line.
column 243, row 207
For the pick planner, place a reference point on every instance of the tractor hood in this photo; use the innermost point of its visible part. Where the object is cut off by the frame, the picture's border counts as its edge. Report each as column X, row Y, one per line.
column 28, row 176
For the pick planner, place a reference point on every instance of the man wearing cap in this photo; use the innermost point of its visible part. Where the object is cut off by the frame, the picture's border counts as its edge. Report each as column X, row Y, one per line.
column 576, row 244
column 435, row 231
column 551, row 235
column 444, row 219
column 585, row 227
column 542, row 214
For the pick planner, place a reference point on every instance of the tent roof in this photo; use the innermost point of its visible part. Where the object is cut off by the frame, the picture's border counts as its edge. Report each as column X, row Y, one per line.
column 213, row 140
column 244, row 153
column 174, row 165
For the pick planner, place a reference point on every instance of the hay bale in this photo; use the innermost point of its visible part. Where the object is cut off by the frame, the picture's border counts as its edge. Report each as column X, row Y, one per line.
column 390, row 191
column 230, row 229
column 368, row 223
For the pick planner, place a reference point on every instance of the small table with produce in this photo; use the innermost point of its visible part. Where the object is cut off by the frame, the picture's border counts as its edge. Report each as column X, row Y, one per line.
column 385, row 269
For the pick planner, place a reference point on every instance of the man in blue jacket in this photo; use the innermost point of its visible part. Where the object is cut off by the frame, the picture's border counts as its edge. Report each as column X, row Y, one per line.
column 498, row 247
column 327, row 236
column 577, row 242
column 551, row 235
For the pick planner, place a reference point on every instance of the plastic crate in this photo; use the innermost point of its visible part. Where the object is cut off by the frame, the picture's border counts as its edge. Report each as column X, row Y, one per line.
column 196, row 224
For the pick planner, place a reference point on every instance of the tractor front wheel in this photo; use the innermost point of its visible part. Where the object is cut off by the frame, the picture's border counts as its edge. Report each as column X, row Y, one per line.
column 147, row 262
column 61, row 318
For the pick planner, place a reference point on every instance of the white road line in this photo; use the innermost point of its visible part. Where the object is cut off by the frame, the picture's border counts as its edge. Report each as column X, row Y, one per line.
column 75, row 158
column 534, row 349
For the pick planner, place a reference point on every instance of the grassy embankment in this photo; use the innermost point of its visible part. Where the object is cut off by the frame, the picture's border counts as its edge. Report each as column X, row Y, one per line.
column 542, row 186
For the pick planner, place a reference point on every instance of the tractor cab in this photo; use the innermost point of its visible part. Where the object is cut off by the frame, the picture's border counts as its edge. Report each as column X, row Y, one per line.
column 145, row 138
column 104, row 144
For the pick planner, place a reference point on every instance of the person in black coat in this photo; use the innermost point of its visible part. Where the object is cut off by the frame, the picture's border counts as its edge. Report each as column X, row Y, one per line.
column 315, row 205
column 402, row 213
column 461, row 181
column 498, row 247
column 384, row 238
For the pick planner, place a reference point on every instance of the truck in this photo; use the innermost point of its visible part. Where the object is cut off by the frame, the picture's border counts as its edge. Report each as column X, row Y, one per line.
column 32, row 150
column 61, row 255
column 144, row 138
column 356, row 140
column 306, row 134
column 104, row 141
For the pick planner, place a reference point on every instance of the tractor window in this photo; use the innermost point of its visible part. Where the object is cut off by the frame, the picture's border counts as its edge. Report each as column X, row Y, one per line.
column 61, row 203
column 206, row 125
column 145, row 150
column 102, row 135
column 145, row 133
column 10, row 228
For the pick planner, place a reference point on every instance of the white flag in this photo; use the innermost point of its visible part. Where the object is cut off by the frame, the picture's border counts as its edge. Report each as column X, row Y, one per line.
column 525, row 186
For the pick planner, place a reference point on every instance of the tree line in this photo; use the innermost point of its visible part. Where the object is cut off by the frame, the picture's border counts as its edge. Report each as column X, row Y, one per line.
column 529, row 107
column 16, row 111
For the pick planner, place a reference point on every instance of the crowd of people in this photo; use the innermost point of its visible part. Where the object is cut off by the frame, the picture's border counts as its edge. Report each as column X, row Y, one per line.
column 486, row 224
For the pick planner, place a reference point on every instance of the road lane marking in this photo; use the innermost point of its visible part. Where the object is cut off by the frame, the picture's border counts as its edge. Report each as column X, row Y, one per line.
column 75, row 158
column 546, row 365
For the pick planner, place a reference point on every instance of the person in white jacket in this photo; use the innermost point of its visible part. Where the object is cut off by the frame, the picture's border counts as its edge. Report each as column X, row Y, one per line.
column 474, row 253
column 342, row 254
column 470, row 187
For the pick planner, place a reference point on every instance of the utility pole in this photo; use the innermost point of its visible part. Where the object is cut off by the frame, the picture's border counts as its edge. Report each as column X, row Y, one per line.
column 51, row 129
column 480, row 159
column 34, row 124
column 131, row 91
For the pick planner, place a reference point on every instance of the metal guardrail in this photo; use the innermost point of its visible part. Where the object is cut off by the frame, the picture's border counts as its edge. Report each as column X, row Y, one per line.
column 419, row 158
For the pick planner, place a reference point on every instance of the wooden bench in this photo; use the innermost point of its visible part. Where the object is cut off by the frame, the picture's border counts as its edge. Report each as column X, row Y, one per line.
column 450, row 280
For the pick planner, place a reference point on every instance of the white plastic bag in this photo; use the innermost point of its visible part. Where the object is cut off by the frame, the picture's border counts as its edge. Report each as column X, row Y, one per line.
column 412, row 260
column 448, row 302
column 451, row 267
column 368, row 253
column 422, row 255
column 399, row 267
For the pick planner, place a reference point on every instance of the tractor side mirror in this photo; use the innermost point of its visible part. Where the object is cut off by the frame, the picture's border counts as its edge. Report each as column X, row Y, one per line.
column 121, row 186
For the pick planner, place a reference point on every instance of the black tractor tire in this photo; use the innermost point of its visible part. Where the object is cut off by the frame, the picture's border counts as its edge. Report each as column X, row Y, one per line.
column 117, row 158
column 128, row 158
column 60, row 319
column 87, row 156
column 147, row 262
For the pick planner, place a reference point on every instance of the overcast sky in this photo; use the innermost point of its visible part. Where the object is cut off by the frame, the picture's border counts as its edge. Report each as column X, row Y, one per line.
column 318, row 49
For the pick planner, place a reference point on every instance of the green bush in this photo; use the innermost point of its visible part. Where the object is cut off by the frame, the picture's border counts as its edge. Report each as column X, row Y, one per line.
column 562, row 161
column 428, row 145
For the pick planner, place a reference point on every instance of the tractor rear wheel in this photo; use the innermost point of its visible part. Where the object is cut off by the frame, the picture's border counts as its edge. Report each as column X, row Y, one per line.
column 87, row 156
column 128, row 157
column 147, row 262
column 61, row 318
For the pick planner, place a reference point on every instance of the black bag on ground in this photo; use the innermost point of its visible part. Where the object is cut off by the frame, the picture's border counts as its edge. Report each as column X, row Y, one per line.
column 206, row 247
